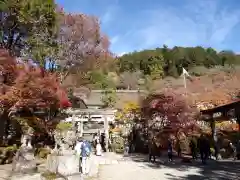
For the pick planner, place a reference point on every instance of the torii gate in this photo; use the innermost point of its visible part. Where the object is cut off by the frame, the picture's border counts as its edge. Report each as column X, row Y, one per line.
column 106, row 113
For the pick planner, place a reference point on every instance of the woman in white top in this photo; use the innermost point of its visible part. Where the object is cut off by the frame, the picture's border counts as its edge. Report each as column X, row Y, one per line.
column 98, row 148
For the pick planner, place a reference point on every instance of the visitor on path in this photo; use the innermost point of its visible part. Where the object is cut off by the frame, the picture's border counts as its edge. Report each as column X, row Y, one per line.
column 85, row 156
column 152, row 150
column 83, row 150
column 98, row 148
column 193, row 149
column 110, row 148
column 95, row 139
column 78, row 152
column 179, row 149
column 234, row 151
column 170, row 150
column 102, row 142
column 126, row 149
column 216, row 151
column 238, row 150
column 204, row 148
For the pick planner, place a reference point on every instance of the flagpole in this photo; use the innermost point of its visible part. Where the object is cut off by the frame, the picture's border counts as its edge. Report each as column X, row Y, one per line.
column 184, row 81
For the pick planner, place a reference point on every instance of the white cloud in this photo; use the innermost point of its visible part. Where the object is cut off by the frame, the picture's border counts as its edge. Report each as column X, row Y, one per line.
column 109, row 15
column 197, row 23
column 206, row 27
column 114, row 39
column 106, row 17
column 121, row 54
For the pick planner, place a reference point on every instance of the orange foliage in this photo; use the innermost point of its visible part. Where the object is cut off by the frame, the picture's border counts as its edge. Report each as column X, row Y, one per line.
column 168, row 113
column 29, row 87
column 212, row 89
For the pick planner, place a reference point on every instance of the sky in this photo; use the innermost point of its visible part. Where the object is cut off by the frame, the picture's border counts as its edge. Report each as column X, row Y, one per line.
column 140, row 24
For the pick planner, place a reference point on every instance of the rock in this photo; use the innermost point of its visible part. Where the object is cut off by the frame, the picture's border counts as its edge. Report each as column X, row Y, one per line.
column 67, row 164
column 24, row 161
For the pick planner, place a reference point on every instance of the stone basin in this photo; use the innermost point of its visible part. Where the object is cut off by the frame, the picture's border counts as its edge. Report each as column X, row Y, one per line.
column 67, row 164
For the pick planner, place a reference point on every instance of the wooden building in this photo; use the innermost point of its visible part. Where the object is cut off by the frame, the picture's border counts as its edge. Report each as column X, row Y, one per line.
column 223, row 112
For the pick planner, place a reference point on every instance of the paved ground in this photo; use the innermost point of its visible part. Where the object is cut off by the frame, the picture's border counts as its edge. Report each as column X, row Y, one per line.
column 5, row 171
column 137, row 168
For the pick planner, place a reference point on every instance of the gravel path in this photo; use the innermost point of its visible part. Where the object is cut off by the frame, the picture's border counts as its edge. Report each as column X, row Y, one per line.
column 137, row 171
column 136, row 168
column 5, row 172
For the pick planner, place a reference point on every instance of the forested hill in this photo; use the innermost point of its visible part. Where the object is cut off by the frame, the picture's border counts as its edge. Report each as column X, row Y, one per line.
column 162, row 62
column 151, row 69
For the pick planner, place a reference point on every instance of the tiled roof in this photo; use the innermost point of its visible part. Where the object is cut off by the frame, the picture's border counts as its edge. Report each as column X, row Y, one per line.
column 94, row 97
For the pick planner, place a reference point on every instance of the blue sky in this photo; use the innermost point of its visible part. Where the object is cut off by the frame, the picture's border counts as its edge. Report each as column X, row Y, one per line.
column 141, row 24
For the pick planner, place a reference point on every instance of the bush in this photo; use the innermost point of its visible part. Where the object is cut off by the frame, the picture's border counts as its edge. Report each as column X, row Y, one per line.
column 62, row 126
column 7, row 154
column 49, row 175
column 118, row 144
column 43, row 153
column 212, row 151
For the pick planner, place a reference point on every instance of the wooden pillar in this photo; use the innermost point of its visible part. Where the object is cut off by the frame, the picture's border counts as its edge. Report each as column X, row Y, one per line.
column 237, row 114
column 106, row 129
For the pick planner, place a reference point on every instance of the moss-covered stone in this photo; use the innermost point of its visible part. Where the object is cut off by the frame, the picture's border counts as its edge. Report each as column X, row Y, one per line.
column 43, row 153
column 7, row 154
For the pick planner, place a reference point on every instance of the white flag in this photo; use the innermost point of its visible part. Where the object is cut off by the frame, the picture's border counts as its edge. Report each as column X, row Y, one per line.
column 185, row 72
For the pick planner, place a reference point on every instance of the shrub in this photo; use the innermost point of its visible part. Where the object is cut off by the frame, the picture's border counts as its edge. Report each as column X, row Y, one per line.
column 62, row 126
column 43, row 153
column 118, row 144
column 7, row 154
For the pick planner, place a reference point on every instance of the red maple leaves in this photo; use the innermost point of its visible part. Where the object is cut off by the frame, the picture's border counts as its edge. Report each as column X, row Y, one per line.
column 169, row 113
column 29, row 86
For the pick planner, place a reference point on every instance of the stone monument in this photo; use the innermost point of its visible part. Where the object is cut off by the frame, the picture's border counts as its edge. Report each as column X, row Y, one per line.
column 63, row 159
column 24, row 161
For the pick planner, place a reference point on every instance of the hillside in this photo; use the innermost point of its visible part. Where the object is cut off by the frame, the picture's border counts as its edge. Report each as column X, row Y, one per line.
column 154, row 69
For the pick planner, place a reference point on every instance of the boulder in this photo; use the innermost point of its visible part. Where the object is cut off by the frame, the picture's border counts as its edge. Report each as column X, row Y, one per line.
column 24, row 161
column 67, row 164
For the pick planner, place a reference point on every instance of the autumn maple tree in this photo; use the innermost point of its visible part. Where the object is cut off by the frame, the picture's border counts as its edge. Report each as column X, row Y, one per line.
column 168, row 113
column 29, row 88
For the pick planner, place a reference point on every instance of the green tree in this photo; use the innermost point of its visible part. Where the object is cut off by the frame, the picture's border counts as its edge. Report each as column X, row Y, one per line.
column 24, row 20
column 165, row 61
column 227, row 57
column 100, row 80
column 109, row 98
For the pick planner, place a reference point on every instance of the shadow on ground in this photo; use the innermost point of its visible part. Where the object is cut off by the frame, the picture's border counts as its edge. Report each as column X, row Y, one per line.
column 219, row 170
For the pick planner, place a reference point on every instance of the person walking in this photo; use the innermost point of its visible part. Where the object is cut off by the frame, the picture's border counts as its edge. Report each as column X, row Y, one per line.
column 238, row 150
column 179, row 149
column 234, row 151
column 98, row 149
column 193, row 148
column 83, row 150
column 85, row 156
column 78, row 152
column 204, row 148
column 152, row 148
column 170, row 151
